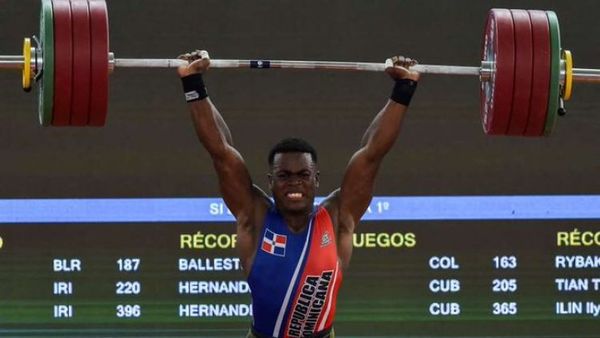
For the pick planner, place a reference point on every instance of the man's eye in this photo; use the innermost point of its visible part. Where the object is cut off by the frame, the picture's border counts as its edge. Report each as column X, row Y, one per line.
column 282, row 176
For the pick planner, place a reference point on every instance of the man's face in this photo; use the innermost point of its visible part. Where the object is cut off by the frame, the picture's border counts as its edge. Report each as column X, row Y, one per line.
column 294, row 180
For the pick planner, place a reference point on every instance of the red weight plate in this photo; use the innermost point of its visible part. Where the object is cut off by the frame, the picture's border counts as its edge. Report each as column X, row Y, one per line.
column 541, row 73
column 497, row 93
column 63, row 63
column 99, row 89
column 523, row 72
column 80, row 104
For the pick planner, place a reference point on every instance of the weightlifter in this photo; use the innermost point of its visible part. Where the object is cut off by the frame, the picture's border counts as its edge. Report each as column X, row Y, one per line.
column 294, row 253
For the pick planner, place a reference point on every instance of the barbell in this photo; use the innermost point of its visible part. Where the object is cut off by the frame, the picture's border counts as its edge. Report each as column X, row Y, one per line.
column 525, row 75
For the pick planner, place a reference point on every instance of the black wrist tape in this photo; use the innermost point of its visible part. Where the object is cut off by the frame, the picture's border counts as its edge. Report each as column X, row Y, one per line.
column 403, row 91
column 193, row 87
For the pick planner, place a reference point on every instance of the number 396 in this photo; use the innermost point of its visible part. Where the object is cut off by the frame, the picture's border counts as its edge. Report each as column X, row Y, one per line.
column 125, row 311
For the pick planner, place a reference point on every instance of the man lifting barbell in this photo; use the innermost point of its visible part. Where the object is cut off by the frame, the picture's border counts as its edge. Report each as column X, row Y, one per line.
column 293, row 252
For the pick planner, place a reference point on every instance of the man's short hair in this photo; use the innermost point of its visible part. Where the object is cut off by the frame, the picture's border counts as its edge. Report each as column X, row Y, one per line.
column 292, row 145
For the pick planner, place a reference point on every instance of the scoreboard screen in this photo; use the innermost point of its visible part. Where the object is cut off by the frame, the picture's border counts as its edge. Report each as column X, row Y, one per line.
column 511, row 266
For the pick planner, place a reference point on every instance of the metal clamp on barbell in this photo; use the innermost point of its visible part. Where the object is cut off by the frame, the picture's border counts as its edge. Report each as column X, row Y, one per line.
column 524, row 83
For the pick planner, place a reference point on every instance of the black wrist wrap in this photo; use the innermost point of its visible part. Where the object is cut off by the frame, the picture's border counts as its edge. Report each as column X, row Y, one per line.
column 403, row 91
column 193, row 87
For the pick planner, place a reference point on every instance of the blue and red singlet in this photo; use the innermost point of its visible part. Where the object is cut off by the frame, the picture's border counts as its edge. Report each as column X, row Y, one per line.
column 295, row 278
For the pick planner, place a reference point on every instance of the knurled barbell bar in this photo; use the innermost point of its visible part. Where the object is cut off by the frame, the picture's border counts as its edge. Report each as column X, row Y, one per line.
column 525, row 75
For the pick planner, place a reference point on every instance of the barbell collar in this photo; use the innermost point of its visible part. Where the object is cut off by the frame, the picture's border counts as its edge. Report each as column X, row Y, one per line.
column 111, row 62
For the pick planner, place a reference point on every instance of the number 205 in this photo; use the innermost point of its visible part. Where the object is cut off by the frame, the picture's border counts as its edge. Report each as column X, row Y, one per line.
column 504, row 285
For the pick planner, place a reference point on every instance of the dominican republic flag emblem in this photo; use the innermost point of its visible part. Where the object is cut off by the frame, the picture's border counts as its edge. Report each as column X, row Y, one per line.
column 274, row 243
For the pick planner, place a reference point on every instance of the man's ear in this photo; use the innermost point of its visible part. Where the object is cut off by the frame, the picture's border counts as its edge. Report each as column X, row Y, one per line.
column 317, row 178
column 270, row 180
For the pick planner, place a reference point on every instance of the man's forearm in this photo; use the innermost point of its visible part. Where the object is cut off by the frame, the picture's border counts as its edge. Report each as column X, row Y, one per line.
column 384, row 129
column 210, row 127
column 222, row 125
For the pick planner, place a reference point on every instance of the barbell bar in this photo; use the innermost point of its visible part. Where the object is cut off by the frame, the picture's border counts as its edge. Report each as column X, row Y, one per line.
column 16, row 62
column 525, row 74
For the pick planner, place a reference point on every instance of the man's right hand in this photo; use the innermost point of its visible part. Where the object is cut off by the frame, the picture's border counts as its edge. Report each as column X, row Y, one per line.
column 398, row 67
column 198, row 62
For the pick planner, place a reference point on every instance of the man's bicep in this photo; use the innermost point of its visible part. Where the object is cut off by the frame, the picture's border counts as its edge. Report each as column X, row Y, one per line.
column 357, row 186
column 235, row 182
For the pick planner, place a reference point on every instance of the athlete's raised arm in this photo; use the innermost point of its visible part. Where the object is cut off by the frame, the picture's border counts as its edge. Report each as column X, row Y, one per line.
column 245, row 200
column 356, row 190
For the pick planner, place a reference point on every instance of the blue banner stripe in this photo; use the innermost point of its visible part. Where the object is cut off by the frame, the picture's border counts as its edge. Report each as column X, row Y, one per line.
column 388, row 208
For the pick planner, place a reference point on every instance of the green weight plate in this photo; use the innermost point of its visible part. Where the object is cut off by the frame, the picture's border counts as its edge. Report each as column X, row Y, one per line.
column 554, row 73
column 46, row 83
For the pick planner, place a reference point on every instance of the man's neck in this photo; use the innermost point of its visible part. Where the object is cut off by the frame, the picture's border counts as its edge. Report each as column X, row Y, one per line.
column 297, row 222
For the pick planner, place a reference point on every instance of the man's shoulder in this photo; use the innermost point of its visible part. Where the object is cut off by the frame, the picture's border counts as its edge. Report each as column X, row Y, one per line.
column 332, row 200
column 331, row 203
